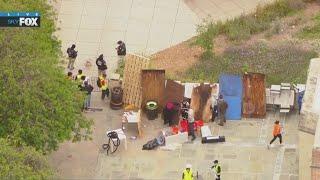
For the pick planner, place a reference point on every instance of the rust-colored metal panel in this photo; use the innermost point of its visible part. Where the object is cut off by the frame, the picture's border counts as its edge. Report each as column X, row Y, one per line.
column 200, row 101
column 153, row 86
column 254, row 95
column 174, row 91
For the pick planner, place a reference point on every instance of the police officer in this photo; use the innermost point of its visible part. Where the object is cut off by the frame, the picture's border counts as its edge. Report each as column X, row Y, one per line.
column 72, row 55
column 216, row 169
column 187, row 173
column 222, row 108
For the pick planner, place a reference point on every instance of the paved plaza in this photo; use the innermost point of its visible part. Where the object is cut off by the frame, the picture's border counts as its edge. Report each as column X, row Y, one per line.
column 146, row 26
column 244, row 155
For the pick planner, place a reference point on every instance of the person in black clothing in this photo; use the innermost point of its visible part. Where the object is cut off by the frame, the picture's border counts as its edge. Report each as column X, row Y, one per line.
column 121, row 51
column 72, row 55
column 184, row 109
column 121, row 48
column 101, row 64
column 88, row 89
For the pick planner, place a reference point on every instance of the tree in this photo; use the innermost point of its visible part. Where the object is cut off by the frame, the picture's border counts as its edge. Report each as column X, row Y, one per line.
column 206, row 31
column 39, row 106
column 22, row 163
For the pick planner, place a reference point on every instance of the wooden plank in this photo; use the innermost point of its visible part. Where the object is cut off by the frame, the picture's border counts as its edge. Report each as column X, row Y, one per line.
column 153, row 86
column 174, row 91
column 200, row 102
column 132, row 79
column 254, row 95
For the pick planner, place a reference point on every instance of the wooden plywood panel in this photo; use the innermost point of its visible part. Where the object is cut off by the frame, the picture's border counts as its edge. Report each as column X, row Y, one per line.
column 132, row 93
column 153, row 86
column 174, row 91
column 200, row 102
column 254, row 95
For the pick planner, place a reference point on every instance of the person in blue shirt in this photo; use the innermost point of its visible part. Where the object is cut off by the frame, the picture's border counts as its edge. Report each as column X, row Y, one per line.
column 300, row 98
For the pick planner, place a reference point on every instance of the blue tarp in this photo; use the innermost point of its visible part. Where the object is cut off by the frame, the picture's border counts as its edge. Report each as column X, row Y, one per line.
column 231, row 88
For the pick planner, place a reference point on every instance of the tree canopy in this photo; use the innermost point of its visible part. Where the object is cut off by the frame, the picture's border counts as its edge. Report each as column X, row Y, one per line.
column 39, row 106
column 22, row 163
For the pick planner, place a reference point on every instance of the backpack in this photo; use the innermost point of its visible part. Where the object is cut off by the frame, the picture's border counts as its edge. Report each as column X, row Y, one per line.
column 72, row 53
column 123, row 49
column 90, row 88
column 99, row 83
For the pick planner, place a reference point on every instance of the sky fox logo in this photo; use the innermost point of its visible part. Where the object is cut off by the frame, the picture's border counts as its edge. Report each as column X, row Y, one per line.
column 29, row 22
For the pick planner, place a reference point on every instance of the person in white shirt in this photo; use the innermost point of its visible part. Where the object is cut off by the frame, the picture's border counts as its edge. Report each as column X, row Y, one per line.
column 214, row 107
column 191, row 124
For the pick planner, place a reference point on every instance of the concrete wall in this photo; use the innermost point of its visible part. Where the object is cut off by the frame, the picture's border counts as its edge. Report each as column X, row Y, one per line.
column 309, row 134
column 315, row 164
column 311, row 97
column 306, row 141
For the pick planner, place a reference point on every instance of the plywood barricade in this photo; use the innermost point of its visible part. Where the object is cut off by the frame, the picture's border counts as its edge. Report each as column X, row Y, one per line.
column 254, row 95
column 200, row 100
column 174, row 92
column 132, row 92
column 153, row 86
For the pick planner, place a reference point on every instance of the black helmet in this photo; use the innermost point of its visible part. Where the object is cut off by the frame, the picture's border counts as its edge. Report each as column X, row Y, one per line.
column 215, row 161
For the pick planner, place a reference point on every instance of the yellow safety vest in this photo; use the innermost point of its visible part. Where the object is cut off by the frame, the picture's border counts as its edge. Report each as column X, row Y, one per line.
column 215, row 168
column 187, row 175
column 79, row 78
column 104, row 84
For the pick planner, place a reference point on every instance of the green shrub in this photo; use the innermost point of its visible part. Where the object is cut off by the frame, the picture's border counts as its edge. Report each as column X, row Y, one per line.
column 282, row 63
column 39, row 106
column 243, row 27
column 206, row 33
column 22, row 162
column 311, row 32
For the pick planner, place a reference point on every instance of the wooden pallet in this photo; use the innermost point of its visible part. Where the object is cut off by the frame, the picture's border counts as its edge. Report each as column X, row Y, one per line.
column 132, row 93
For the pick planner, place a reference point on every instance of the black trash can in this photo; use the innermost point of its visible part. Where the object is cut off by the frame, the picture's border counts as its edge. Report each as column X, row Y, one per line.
column 152, row 110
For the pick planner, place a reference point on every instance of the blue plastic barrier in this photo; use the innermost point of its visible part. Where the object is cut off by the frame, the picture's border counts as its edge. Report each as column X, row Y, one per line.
column 231, row 88
column 234, row 107
column 230, row 85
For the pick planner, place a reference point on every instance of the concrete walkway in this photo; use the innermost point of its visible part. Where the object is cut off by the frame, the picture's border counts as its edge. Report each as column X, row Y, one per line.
column 147, row 26
column 244, row 155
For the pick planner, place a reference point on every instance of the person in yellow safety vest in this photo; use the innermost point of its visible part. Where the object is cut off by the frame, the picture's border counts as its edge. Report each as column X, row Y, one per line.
column 104, row 86
column 79, row 75
column 69, row 76
column 217, row 169
column 187, row 173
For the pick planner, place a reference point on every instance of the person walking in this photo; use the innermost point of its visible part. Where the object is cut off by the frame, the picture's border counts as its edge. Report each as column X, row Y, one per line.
column 121, row 51
column 191, row 124
column 72, row 55
column 216, row 169
column 88, row 89
column 187, row 173
column 101, row 64
column 222, row 108
column 276, row 133
column 104, row 86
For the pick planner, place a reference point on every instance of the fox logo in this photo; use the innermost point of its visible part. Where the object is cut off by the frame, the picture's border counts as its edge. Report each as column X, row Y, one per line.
column 29, row 21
